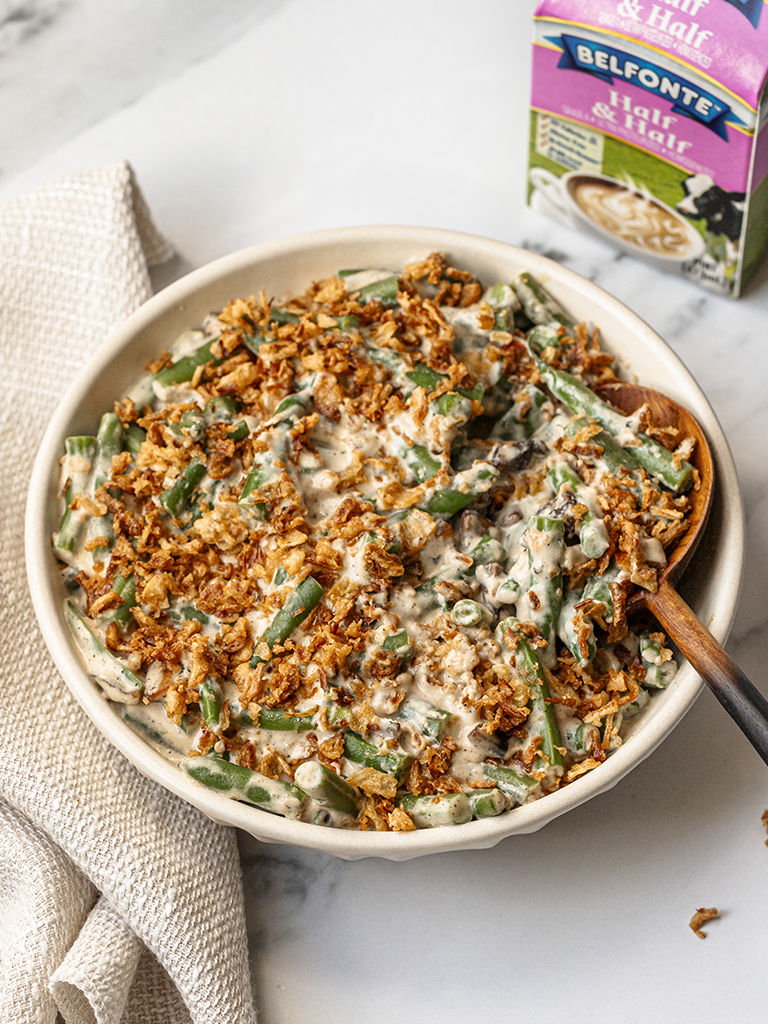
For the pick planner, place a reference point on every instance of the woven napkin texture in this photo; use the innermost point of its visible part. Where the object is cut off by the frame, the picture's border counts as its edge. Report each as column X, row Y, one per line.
column 119, row 903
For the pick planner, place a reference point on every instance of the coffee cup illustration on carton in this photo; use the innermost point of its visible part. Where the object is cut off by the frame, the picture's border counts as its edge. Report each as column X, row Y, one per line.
column 648, row 130
column 620, row 211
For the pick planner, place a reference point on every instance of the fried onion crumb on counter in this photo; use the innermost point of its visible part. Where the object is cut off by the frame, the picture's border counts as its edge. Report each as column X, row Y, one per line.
column 361, row 557
column 700, row 918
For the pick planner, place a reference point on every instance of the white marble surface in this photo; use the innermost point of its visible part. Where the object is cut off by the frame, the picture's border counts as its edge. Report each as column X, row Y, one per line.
column 250, row 120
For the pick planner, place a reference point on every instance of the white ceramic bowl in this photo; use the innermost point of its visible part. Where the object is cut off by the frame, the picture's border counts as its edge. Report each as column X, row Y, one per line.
column 711, row 584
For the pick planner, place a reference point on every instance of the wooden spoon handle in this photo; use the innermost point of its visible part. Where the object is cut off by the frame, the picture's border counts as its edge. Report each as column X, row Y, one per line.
column 740, row 698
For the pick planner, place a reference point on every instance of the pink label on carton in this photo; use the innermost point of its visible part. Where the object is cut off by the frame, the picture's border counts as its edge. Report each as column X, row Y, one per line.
column 727, row 39
column 625, row 110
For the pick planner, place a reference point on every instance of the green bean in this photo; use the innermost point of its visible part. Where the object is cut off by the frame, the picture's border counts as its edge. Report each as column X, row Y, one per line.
column 181, row 613
column 133, row 438
column 394, row 546
column 447, row 501
column 543, row 596
column 336, row 714
column 328, row 788
column 435, row 811
column 386, row 357
column 513, row 783
column 579, row 736
column 430, row 720
column 617, row 460
column 453, row 406
column 598, row 588
column 69, row 574
column 176, row 499
column 221, row 409
column 263, row 468
column 424, row 376
column 561, row 474
column 109, row 442
column 639, row 704
column 347, row 324
column 488, row 550
column 295, row 610
column 449, row 573
column 81, row 449
column 125, row 586
column 509, row 589
column 243, row 784
column 359, row 750
column 523, row 417
column 469, row 335
column 420, row 461
column 100, row 528
column 401, row 643
column 427, row 589
column 281, row 317
column 192, row 425
column 211, row 701
column 657, row 460
column 544, row 336
column 538, row 304
column 658, row 673
column 504, row 319
column 501, row 296
column 280, row 719
column 151, row 732
column 184, row 369
column 292, row 406
column 238, row 431
column 467, row 613
column 253, row 341
column 542, row 720
column 384, row 291
column 486, row 803
column 122, row 685
column 475, row 393
column 592, row 531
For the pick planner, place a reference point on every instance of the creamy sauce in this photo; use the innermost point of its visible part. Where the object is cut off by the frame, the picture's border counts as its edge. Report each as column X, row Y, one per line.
column 508, row 558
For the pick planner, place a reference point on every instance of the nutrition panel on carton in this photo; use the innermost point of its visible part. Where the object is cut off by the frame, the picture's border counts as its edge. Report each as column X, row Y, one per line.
column 647, row 130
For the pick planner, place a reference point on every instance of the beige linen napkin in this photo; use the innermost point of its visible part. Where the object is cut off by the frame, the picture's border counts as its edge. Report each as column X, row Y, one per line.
column 119, row 903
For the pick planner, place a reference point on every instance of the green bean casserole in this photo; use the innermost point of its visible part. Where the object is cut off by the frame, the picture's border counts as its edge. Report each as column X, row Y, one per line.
column 361, row 557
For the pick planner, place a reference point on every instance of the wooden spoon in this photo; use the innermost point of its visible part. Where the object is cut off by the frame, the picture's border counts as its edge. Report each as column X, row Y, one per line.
column 740, row 698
